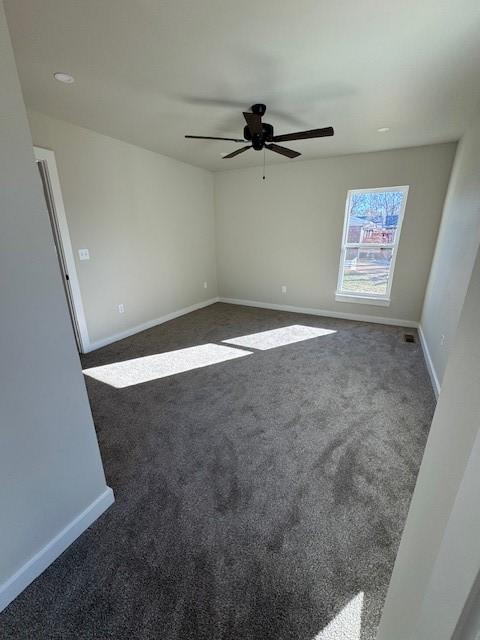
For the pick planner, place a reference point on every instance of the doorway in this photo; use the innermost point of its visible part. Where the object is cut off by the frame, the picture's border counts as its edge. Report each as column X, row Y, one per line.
column 47, row 168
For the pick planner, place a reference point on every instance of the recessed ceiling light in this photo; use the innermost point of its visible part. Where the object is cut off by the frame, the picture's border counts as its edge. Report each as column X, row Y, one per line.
column 383, row 129
column 64, row 77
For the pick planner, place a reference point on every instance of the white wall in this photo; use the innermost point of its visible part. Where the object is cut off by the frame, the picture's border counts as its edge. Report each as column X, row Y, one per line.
column 458, row 242
column 287, row 229
column 439, row 555
column 147, row 220
column 50, row 467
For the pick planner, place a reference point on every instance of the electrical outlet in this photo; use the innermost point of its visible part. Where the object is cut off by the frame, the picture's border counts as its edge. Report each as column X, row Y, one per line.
column 205, row 285
column 121, row 308
column 442, row 340
column 284, row 288
column 83, row 254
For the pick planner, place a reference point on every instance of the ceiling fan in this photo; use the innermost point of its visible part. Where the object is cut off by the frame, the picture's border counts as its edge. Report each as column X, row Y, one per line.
column 261, row 135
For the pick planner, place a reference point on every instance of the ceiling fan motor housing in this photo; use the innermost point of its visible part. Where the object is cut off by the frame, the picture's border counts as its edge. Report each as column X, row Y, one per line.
column 259, row 140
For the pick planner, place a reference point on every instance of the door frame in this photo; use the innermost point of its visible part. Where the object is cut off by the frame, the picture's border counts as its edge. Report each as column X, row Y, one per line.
column 48, row 157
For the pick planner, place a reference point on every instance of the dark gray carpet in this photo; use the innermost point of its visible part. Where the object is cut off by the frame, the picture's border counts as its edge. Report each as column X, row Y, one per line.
column 254, row 498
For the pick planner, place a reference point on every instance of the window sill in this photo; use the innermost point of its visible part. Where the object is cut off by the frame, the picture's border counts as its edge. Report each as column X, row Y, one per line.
column 380, row 302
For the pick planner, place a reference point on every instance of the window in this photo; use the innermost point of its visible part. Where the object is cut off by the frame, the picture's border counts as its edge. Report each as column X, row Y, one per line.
column 373, row 220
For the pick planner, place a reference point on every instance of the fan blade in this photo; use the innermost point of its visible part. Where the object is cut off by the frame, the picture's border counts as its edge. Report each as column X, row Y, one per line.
column 254, row 122
column 211, row 138
column 304, row 135
column 235, row 153
column 283, row 150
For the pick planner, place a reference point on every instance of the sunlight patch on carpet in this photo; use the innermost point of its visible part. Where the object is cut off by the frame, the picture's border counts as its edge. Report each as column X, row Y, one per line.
column 279, row 337
column 347, row 625
column 138, row 370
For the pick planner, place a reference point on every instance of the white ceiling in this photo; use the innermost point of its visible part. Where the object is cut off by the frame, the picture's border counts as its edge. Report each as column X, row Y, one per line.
column 146, row 70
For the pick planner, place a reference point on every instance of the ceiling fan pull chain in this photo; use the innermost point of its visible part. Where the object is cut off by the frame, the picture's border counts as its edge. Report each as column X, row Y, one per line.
column 263, row 163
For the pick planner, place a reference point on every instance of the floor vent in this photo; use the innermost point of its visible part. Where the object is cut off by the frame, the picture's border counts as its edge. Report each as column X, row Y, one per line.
column 409, row 337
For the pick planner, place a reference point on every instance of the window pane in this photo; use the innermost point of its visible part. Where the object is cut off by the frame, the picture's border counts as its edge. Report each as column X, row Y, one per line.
column 366, row 271
column 373, row 216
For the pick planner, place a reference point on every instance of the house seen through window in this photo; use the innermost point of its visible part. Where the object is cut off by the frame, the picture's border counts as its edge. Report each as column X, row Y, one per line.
column 373, row 221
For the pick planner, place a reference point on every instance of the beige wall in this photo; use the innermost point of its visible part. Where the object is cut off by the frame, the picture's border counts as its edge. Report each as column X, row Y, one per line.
column 147, row 220
column 458, row 242
column 50, row 467
column 286, row 230
column 439, row 555
column 149, row 224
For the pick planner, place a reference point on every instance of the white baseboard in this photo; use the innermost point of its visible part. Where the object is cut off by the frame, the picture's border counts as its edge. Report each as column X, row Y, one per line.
column 428, row 360
column 147, row 325
column 322, row 312
column 12, row 587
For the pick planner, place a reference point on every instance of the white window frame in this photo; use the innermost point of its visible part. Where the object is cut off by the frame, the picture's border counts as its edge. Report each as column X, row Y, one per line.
column 369, row 298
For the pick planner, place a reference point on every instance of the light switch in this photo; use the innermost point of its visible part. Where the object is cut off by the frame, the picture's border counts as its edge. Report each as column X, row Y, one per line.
column 83, row 254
